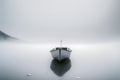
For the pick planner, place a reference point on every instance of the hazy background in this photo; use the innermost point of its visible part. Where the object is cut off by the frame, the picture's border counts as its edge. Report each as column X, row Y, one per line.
column 48, row 21
column 69, row 20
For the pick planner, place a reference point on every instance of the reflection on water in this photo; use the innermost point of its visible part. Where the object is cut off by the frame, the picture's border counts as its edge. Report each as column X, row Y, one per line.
column 60, row 68
column 20, row 61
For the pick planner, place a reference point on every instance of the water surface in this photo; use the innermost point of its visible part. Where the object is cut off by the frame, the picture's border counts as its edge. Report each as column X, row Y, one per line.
column 28, row 61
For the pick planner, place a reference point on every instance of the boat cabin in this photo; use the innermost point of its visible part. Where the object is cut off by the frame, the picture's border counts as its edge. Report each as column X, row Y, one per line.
column 62, row 48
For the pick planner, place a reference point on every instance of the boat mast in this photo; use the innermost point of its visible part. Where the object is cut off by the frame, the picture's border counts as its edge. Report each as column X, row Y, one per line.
column 61, row 43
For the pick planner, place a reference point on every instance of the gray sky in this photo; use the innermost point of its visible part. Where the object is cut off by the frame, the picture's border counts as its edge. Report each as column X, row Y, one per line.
column 70, row 20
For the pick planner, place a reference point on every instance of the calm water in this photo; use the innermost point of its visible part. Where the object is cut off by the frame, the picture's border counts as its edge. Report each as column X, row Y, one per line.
column 19, row 61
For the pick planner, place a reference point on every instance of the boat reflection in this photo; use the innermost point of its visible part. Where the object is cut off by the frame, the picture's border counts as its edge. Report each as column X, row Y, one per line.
column 60, row 68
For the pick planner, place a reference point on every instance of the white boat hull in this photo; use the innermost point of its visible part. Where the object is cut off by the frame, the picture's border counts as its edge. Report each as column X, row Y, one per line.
column 60, row 54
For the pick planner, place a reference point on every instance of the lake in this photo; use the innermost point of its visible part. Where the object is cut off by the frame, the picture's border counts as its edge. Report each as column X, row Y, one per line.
column 33, row 61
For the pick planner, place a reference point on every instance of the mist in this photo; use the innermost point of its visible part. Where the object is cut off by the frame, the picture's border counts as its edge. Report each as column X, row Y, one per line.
column 31, row 29
column 80, row 21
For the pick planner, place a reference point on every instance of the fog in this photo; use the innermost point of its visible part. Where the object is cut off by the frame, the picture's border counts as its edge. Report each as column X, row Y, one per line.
column 69, row 20
column 90, row 28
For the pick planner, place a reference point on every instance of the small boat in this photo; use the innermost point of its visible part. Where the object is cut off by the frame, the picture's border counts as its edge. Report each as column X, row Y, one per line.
column 61, row 53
